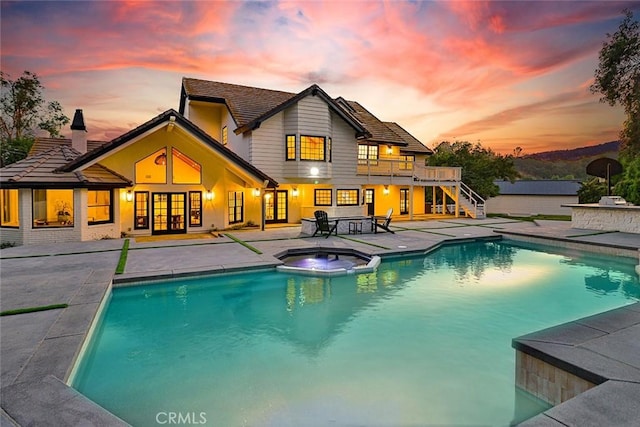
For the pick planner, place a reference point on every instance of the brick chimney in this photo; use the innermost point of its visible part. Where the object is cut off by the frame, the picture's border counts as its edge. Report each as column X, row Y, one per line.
column 79, row 132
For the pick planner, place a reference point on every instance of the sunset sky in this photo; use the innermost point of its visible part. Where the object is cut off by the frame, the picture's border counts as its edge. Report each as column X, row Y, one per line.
column 506, row 74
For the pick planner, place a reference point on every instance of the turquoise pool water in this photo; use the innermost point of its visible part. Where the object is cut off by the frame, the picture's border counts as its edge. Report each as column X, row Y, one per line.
column 424, row 340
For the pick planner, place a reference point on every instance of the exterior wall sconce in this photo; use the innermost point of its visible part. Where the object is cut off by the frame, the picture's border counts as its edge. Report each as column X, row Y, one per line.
column 314, row 171
column 129, row 196
column 256, row 192
column 389, row 149
column 208, row 195
column 294, row 192
column 161, row 159
column 386, row 190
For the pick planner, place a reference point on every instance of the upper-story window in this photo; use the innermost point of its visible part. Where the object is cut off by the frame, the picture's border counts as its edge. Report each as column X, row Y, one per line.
column 407, row 162
column 329, row 148
column 312, row 148
column 184, row 169
column 291, row 147
column 225, row 136
column 367, row 152
column 153, row 168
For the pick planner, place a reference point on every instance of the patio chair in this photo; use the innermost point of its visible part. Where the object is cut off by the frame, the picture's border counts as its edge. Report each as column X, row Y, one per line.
column 323, row 226
column 383, row 222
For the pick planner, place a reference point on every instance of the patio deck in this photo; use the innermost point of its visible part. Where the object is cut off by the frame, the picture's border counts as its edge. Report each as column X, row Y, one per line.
column 39, row 349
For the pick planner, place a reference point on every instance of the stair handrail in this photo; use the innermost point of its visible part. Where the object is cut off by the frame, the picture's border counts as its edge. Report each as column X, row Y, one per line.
column 473, row 197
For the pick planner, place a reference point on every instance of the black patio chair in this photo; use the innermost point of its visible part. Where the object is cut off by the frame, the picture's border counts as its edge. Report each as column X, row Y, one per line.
column 323, row 226
column 383, row 222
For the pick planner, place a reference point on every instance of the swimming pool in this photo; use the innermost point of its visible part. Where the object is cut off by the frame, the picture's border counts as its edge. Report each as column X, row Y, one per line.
column 423, row 340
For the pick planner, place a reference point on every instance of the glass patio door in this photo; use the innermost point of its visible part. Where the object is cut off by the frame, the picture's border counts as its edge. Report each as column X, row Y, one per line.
column 276, row 206
column 169, row 213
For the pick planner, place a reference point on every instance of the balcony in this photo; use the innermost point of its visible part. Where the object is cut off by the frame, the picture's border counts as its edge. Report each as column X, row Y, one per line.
column 409, row 169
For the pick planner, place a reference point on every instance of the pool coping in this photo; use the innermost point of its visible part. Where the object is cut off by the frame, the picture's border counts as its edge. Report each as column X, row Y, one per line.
column 596, row 349
column 52, row 401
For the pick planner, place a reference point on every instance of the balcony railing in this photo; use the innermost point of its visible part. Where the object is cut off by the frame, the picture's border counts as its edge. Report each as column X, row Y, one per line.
column 407, row 168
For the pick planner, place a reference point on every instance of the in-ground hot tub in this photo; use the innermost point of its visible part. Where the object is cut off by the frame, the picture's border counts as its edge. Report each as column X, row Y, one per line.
column 326, row 261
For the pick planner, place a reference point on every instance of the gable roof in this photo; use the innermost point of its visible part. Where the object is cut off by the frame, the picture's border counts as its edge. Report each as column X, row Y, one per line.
column 41, row 145
column 170, row 115
column 245, row 103
column 249, row 106
column 43, row 170
column 538, row 188
column 413, row 144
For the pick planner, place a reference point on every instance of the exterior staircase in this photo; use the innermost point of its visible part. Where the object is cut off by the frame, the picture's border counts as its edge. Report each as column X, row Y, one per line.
column 468, row 200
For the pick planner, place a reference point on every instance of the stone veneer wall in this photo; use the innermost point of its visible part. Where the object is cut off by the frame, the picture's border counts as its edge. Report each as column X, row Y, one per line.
column 547, row 382
column 607, row 218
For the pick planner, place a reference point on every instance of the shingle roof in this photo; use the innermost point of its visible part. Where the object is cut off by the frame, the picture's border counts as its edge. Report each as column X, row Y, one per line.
column 414, row 146
column 244, row 102
column 45, row 144
column 380, row 132
column 539, row 188
column 249, row 106
column 42, row 170
column 90, row 156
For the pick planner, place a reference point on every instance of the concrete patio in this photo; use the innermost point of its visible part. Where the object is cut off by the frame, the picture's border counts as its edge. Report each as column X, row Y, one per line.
column 38, row 349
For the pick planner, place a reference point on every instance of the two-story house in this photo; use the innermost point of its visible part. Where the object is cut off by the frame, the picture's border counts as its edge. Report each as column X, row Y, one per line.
column 330, row 154
column 230, row 155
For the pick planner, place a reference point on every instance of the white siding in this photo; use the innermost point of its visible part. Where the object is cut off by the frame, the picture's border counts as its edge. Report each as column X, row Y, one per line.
column 344, row 153
column 266, row 151
column 313, row 117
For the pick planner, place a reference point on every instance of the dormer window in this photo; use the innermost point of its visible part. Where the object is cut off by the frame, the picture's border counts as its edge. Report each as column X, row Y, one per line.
column 225, row 135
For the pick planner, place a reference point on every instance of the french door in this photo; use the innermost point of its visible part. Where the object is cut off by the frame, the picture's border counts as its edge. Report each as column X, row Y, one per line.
column 275, row 203
column 168, row 213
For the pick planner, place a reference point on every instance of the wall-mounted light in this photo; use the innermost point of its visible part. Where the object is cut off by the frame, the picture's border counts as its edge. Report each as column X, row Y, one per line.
column 208, row 195
column 385, row 191
column 129, row 196
column 161, row 159
column 389, row 149
column 256, row 192
column 294, row 192
column 314, row 171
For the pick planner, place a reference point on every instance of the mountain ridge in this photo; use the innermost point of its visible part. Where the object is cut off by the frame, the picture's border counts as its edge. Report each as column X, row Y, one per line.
column 576, row 153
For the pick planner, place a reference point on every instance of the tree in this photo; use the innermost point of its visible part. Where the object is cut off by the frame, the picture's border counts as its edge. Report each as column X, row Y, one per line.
column 617, row 78
column 591, row 191
column 24, row 112
column 480, row 166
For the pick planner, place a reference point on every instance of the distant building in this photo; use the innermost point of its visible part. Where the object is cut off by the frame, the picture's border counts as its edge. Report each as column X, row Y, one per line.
column 534, row 197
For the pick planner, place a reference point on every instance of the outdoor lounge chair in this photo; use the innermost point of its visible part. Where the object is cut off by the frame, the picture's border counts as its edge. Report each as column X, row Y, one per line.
column 323, row 226
column 383, row 222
